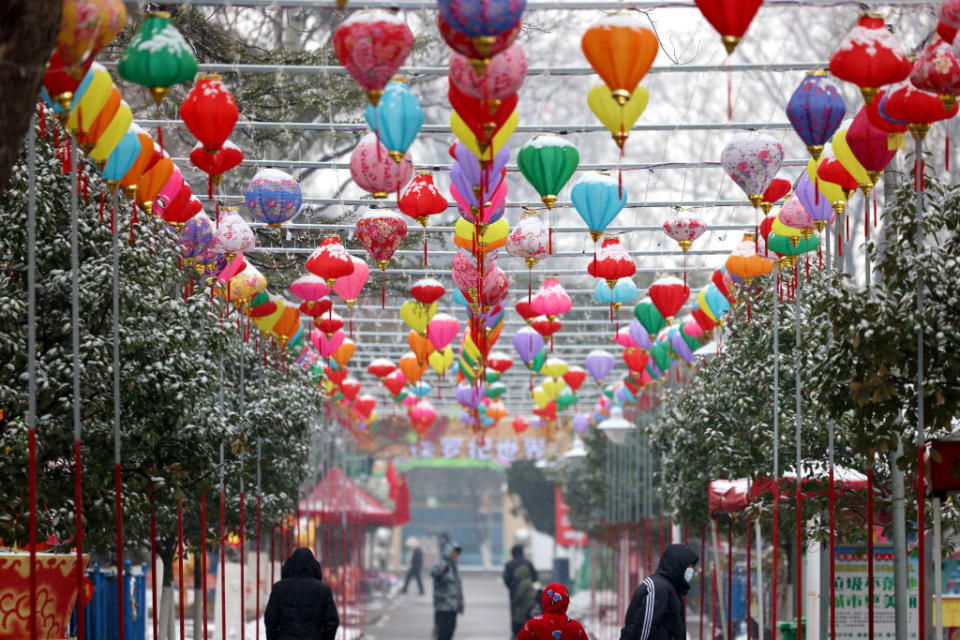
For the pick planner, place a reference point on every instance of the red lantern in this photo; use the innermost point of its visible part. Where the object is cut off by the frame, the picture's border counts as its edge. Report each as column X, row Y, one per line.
column 831, row 170
column 869, row 144
column 545, row 326
column 394, row 382
column 778, row 189
column 525, row 311
column 422, row 199
column 381, row 368
column 336, row 376
column 464, row 44
column 612, row 262
column 636, row 359
column 316, row 308
column 427, row 290
column 894, row 130
column 217, row 163
column 870, row 57
column 574, row 377
column 210, row 111
column 372, row 45
column 917, row 108
column 949, row 20
column 499, row 362
column 350, row 388
column 723, row 282
column 702, row 319
column 484, row 118
column 330, row 260
column 179, row 209
column 381, row 231
column 329, row 323
column 60, row 82
column 731, row 18
column 364, row 405
column 937, row 70
column 668, row 296
column 262, row 310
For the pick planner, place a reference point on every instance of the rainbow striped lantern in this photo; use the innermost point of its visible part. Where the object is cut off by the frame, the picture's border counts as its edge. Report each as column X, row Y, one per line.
column 273, row 197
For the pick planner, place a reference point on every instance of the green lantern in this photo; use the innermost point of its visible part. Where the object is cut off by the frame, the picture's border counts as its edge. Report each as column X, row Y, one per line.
column 648, row 315
column 492, row 376
column 539, row 360
column 157, row 57
column 567, row 399
column 693, row 343
column 660, row 352
column 547, row 162
column 496, row 390
column 791, row 252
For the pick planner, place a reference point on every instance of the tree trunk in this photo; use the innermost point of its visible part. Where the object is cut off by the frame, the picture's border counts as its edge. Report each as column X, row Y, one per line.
column 28, row 31
column 167, row 618
column 198, row 586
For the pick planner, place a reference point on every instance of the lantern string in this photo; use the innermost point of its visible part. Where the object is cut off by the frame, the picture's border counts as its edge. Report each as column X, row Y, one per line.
column 846, row 220
column 42, row 117
column 866, row 217
column 946, row 153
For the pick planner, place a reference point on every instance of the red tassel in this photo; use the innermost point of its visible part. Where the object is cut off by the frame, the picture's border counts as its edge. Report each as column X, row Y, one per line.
column 816, row 192
column 101, row 206
column 866, row 221
column 86, row 186
column 43, row 121
column 840, row 244
column 874, row 211
column 56, row 137
column 160, row 137
column 113, row 220
column 134, row 221
column 820, row 258
column 847, row 222
column 748, row 310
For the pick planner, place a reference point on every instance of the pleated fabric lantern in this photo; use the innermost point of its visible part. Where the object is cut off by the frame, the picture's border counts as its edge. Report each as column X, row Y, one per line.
column 919, row 109
column 479, row 56
column 668, row 296
column 157, row 57
column 870, row 57
column 598, row 198
column 870, row 145
column 547, row 162
column 381, row 232
column 618, row 119
column 815, row 111
column 684, row 227
column 612, row 262
column 778, row 188
column 937, row 70
column 273, row 197
column 375, row 171
column 752, row 160
column 502, row 78
column 210, row 112
column 731, row 18
column 330, row 260
column 372, row 45
column 217, row 163
column 396, row 118
column 621, row 49
column 949, row 20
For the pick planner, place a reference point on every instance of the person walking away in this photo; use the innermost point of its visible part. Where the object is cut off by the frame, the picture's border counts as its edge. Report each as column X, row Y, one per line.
column 657, row 610
column 553, row 623
column 447, row 593
column 301, row 605
column 416, row 565
column 519, row 575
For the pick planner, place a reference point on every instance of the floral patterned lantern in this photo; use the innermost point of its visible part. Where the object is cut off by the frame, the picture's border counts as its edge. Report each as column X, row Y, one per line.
column 479, row 56
column 381, row 231
column 372, row 45
column 530, row 239
column 373, row 170
column 684, row 227
column 949, row 20
column 330, row 260
column 273, row 197
column 937, row 70
column 502, row 78
column 752, row 160
column 870, row 57
column 195, row 237
column 233, row 234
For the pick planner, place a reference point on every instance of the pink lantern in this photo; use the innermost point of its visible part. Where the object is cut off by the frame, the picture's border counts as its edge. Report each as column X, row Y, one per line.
column 309, row 288
column 372, row 45
column 684, row 227
column 422, row 415
column 795, row 216
column 374, row 170
column 937, row 70
column 441, row 331
column 752, row 160
column 464, row 272
column 233, row 234
column 348, row 287
column 624, row 339
column 503, row 76
column 328, row 344
column 381, row 231
column 949, row 20
column 551, row 299
column 486, row 213
column 692, row 329
column 530, row 239
column 496, row 286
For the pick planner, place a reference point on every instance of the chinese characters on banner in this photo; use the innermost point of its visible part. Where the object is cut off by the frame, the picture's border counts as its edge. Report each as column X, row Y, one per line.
column 565, row 535
column 851, row 594
column 500, row 450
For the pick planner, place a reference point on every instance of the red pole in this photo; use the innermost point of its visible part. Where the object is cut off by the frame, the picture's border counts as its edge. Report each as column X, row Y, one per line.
column 870, row 553
column 32, row 464
column 703, row 577
column 730, row 577
column 78, row 501
column 223, row 572
column 833, row 544
column 180, row 564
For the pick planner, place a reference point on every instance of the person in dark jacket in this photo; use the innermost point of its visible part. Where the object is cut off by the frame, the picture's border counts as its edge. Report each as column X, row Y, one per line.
column 301, row 605
column 416, row 565
column 519, row 576
column 447, row 593
column 553, row 623
column 657, row 610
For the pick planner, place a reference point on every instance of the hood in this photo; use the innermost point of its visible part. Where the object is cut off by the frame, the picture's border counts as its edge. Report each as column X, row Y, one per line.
column 676, row 558
column 555, row 599
column 517, row 551
column 301, row 564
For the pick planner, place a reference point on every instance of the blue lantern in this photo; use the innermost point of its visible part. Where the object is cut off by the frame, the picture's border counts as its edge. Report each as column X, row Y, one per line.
column 460, row 299
column 624, row 291
column 478, row 18
column 398, row 117
column 816, row 110
column 717, row 302
column 421, row 389
column 273, row 197
column 598, row 198
column 121, row 159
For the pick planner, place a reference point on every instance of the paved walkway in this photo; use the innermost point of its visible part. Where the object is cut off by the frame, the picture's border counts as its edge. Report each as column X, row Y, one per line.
column 410, row 616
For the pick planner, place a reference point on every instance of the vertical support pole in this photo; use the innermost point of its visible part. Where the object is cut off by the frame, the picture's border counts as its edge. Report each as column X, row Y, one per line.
column 116, row 420
column 921, row 437
column 75, row 348
column 760, row 612
column 776, row 458
column 937, row 569
column 898, row 497
column 799, row 420
column 32, row 367
column 718, row 595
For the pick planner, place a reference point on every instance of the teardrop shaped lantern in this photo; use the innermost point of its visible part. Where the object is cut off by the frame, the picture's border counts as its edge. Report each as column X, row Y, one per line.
column 372, row 45
column 547, row 162
column 621, row 49
column 157, row 57
column 815, row 111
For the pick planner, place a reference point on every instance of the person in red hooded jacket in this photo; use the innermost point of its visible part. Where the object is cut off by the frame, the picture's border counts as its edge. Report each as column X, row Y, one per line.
column 554, row 623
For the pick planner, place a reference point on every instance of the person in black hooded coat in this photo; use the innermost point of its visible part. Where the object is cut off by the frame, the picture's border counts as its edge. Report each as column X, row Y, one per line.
column 301, row 605
column 657, row 610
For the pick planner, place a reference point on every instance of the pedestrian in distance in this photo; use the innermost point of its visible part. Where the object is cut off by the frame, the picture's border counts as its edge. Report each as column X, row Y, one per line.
column 447, row 592
column 301, row 605
column 519, row 576
column 553, row 623
column 657, row 610
column 416, row 564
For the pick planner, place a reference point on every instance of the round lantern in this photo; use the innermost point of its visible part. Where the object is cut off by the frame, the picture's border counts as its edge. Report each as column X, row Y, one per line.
column 870, row 145
column 547, row 162
column 273, row 197
column 870, row 57
column 309, row 288
column 479, row 56
column 778, row 188
column 233, row 234
column 372, row 45
column 621, row 49
column 330, row 260
column 397, row 118
column 157, row 57
column 937, row 70
column 919, row 109
column 482, row 20
column 684, row 227
column 381, row 231
column 530, row 239
column 195, row 237
column 373, row 169
column 745, row 262
column 815, row 111
column 502, row 78
column 668, row 296
column 611, row 262
column 752, row 160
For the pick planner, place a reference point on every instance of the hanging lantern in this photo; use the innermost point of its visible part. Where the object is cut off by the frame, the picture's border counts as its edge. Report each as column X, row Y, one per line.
column 349, row 285
column 90, row 98
column 730, row 19
column 482, row 20
column 483, row 122
column 373, row 170
column 817, row 206
column 668, row 296
column 422, row 199
column 501, row 79
column 684, row 227
column 870, row 145
column 551, row 299
column 109, row 135
column 152, row 181
column 233, row 234
column 479, row 57
column 309, row 288
column 216, row 164
column 778, row 189
column 870, row 57
column 489, row 239
column 397, row 118
column 427, row 290
column 622, row 292
column 547, row 162
column 381, row 368
column 372, row 45
column 157, row 57
column 618, row 119
column 919, row 109
column 815, row 111
column 177, row 209
column 612, row 262
column 832, row 180
column 745, row 262
column 848, row 159
column 752, row 160
column 949, row 20
column 621, row 50
column 381, row 231
column 145, row 158
column 441, row 331
column 121, row 159
column 86, row 27
column 937, row 70
column 598, row 198
column 209, row 111
column 60, row 82
column 530, row 239
column 273, row 197
column 330, row 260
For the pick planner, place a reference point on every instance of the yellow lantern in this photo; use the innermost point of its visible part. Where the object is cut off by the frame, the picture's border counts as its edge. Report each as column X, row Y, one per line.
column 418, row 315
column 849, row 161
column 833, row 192
column 85, row 110
column 540, row 397
column 702, row 303
column 618, row 120
column 553, row 388
column 465, row 135
column 555, row 367
column 246, row 284
column 267, row 322
column 440, row 361
column 492, row 237
column 111, row 136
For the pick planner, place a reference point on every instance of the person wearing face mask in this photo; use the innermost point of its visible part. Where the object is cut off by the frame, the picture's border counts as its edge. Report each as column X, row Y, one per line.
column 657, row 610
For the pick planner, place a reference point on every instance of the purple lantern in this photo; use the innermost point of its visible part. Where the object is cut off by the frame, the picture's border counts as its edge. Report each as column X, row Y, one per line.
column 580, row 422
column 819, row 208
column 598, row 364
column 640, row 335
column 528, row 344
column 816, row 110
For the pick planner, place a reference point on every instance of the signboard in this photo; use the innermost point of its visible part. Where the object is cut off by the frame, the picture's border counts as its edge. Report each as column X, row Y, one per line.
column 503, row 450
column 851, row 594
column 563, row 532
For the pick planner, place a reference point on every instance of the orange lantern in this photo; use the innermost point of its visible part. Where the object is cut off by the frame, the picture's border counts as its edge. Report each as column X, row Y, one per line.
column 621, row 50
column 152, row 181
column 288, row 323
column 344, row 352
column 746, row 263
column 421, row 347
column 129, row 181
column 412, row 370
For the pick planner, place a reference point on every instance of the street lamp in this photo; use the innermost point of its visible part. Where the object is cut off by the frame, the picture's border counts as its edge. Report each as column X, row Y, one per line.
column 616, row 427
column 577, row 451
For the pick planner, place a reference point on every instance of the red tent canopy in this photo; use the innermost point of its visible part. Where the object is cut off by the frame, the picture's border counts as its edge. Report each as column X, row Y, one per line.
column 336, row 493
column 731, row 496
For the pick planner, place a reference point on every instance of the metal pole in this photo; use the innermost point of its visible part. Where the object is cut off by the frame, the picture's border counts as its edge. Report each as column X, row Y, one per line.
column 716, row 566
column 937, row 569
column 899, row 543
column 776, row 451
column 799, row 421
column 75, row 347
column 32, row 368
column 116, row 414
column 921, row 437
column 759, row 578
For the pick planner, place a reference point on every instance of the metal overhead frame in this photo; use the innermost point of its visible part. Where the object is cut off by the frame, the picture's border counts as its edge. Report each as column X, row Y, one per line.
column 532, row 5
